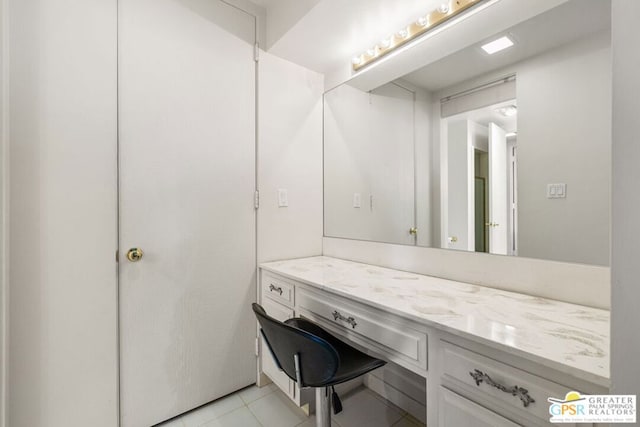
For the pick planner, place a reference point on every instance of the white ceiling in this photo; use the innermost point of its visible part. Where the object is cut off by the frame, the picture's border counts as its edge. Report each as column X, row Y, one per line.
column 563, row 24
column 323, row 35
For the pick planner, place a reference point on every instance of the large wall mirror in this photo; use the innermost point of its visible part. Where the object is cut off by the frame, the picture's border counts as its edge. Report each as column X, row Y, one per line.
column 506, row 153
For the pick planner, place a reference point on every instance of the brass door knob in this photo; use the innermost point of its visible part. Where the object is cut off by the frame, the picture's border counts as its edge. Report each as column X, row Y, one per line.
column 135, row 254
column 413, row 231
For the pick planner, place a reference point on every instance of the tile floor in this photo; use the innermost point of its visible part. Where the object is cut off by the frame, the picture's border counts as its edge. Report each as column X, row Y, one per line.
column 269, row 407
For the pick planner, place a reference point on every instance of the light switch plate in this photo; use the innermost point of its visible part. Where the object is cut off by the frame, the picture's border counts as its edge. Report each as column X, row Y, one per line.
column 283, row 198
column 357, row 200
column 556, row 191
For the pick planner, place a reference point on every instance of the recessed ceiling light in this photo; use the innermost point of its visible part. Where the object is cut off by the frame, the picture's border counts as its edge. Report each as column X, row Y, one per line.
column 497, row 45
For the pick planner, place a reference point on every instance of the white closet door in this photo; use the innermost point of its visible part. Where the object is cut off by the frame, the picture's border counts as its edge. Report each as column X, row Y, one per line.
column 390, row 164
column 187, row 177
column 460, row 181
column 498, row 197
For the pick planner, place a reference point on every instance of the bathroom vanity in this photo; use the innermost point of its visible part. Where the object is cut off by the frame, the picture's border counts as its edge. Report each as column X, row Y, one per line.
column 489, row 357
column 499, row 155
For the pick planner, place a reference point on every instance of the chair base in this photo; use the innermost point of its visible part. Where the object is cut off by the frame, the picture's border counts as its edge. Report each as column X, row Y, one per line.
column 323, row 407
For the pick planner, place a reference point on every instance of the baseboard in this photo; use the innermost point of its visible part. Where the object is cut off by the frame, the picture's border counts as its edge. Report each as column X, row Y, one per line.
column 262, row 379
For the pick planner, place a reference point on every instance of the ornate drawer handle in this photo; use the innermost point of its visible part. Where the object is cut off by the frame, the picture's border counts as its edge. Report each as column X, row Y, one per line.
column 522, row 393
column 278, row 289
column 350, row 320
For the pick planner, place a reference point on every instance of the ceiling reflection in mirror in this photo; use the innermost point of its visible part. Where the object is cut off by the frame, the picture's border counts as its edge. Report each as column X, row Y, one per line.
column 502, row 147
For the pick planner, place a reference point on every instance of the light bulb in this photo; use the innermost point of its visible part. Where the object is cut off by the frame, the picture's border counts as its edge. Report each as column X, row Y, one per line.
column 371, row 52
column 385, row 43
column 403, row 34
column 423, row 21
column 356, row 60
column 443, row 8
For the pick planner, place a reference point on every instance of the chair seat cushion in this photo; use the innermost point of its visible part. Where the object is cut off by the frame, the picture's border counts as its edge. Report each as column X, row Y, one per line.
column 353, row 362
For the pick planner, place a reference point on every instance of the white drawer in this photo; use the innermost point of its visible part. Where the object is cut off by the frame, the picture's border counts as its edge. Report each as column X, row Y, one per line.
column 269, row 367
column 278, row 289
column 392, row 336
column 456, row 411
column 464, row 366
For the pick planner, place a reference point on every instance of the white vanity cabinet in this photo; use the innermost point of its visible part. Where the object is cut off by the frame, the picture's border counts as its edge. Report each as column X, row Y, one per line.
column 455, row 410
column 277, row 296
column 277, row 289
column 474, row 372
column 495, row 387
column 269, row 366
column 391, row 337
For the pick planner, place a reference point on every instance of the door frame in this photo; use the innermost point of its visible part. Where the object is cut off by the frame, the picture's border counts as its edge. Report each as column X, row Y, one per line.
column 4, row 208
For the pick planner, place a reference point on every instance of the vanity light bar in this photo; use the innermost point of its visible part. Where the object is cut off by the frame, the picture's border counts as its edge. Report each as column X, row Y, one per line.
column 443, row 13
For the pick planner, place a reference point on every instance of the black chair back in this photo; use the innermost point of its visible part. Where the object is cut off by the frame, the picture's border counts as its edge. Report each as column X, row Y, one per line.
column 319, row 360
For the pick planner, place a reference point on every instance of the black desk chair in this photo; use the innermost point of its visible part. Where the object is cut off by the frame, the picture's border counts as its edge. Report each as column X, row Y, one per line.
column 312, row 357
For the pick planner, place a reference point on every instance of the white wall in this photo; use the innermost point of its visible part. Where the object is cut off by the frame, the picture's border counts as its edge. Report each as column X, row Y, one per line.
column 63, row 349
column 625, row 268
column 283, row 15
column 255, row 9
column 289, row 157
column 564, row 136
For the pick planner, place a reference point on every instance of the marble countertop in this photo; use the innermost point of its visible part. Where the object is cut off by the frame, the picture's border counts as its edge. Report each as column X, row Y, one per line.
column 568, row 337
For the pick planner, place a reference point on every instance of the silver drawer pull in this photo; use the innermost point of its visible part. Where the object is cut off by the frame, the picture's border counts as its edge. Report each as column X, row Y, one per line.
column 480, row 377
column 274, row 288
column 350, row 320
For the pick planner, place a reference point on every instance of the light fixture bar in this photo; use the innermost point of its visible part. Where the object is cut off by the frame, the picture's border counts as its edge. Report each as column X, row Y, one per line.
column 424, row 24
